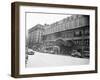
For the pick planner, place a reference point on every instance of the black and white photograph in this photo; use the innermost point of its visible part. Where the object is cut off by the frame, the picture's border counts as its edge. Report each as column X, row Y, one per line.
column 57, row 39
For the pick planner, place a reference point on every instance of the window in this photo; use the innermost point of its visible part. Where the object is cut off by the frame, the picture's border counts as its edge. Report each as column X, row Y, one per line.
column 86, row 32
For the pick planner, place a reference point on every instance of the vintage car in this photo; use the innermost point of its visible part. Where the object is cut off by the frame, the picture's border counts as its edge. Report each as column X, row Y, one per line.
column 52, row 49
column 86, row 54
column 75, row 53
column 30, row 52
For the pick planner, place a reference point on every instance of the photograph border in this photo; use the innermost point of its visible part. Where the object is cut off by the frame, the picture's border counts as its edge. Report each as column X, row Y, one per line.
column 15, row 40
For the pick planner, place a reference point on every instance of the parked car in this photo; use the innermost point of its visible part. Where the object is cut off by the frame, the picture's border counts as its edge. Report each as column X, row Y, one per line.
column 52, row 49
column 86, row 54
column 49, row 50
column 30, row 52
column 75, row 53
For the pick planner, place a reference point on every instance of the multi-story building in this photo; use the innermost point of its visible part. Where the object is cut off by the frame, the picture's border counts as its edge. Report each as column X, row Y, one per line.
column 74, row 28
column 35, row 34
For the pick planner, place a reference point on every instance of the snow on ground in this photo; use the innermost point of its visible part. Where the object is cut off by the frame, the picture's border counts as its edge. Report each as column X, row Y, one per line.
column 48, row 60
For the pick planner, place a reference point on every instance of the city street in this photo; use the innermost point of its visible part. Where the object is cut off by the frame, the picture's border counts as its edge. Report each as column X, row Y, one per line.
column 49, row 60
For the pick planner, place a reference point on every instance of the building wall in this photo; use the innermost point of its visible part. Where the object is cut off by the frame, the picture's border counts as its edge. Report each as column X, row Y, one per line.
column 71, row 22
column 74, row 28
column 35, row 35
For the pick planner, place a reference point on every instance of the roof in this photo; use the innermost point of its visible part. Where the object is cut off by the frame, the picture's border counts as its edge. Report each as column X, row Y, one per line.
column 38, row 26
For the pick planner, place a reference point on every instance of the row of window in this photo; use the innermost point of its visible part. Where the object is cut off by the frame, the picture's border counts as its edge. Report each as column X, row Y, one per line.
column 68, row 34
column 72, row 33
column 84, row 42
column 79, row 22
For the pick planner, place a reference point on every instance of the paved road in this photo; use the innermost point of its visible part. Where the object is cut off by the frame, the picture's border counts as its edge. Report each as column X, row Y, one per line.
column 45, row 60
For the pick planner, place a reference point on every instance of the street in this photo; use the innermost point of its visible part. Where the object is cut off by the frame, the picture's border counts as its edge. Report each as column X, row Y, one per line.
column 51, row 60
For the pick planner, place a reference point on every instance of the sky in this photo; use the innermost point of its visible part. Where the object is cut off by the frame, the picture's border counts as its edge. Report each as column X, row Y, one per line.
column 33, row 19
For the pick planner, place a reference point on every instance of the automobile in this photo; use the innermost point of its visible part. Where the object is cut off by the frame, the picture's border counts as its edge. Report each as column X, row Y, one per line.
column 75, row 53
column 86, row 54
column 30, row 52
column 52, row 49
column 49, row 50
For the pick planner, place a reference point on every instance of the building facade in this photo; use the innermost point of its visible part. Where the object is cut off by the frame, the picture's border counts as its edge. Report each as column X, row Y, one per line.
column 35, row 35
column 74, row 28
